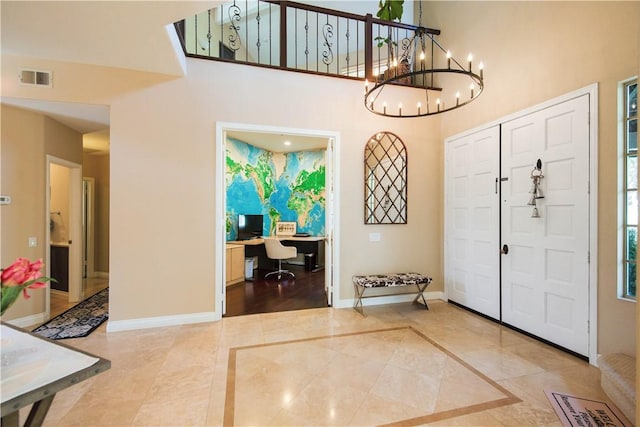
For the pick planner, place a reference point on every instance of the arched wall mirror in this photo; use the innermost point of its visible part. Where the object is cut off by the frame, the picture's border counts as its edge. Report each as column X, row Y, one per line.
column 385, row 180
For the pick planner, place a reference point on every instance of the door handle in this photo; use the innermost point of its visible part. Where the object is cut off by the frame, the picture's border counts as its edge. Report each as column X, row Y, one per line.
column 504, row 250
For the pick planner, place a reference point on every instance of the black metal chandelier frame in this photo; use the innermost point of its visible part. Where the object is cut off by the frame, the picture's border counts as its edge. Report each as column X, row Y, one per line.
column 423, row 78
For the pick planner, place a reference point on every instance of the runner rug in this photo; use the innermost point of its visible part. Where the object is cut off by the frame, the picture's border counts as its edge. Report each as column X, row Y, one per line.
column 80, row 320
column 575, row 411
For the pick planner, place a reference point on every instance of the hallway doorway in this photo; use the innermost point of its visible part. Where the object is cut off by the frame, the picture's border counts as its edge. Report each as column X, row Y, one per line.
column 64, row 229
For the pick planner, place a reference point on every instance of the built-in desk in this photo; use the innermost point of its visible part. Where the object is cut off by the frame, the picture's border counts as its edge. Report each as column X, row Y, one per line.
column 310, row 245
column 235, row 264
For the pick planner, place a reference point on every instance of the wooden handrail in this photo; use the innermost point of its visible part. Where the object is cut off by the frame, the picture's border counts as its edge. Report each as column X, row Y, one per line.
column 369, row 22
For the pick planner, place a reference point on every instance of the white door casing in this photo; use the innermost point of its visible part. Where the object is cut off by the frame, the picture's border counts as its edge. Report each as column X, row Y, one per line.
column 329, row 223
column 332, row 180
column 545, row 274
column 472, row 220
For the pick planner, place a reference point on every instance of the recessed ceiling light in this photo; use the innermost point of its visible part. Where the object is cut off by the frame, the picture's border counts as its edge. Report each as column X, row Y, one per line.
column 287, row 143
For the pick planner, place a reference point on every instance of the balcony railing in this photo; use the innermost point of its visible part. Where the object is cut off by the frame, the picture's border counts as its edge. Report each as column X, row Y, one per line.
column 297, row 37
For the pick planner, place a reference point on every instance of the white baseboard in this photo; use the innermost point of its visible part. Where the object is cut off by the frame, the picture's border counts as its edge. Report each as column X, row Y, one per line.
column 160, row 321
column 23, row 322
column 387, row 299
column 185, row 319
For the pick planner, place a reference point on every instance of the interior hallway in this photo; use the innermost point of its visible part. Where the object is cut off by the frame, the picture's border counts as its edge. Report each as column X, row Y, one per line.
column 325, row 366
column 60, row 300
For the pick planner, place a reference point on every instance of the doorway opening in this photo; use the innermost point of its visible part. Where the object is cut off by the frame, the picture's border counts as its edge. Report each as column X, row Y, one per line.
column 88, row 215
column 63, row 230
column 282, row 168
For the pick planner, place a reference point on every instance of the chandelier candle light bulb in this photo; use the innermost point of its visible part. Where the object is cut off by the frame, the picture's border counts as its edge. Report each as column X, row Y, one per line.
column 419, row 105
column 457, row 98
column 471, row 88
column 470, row 59
column 448, row 59
column 481, row 67
column 438, row 103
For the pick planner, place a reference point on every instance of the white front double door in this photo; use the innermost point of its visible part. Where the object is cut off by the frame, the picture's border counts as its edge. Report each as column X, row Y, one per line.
column 530, row 272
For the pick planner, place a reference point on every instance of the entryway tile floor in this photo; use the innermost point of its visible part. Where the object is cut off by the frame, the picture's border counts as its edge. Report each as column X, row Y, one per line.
column 399, row 365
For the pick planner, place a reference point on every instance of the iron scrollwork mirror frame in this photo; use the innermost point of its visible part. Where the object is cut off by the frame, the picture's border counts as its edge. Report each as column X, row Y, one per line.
column 385, row 180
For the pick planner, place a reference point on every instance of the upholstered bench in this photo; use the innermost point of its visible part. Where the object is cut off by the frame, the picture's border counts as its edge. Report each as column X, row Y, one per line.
column 618, row 380
column 362, row 283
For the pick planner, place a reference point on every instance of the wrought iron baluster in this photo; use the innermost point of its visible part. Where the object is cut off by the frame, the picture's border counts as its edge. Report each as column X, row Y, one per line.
column 246, row 29
column 270, row 38
column 258, row 36
column 327, row 53
column 195, row 39
column 306, row 40
column 379, row 53
column 295, row 38
column 337, row 46
column 234, row 13
column 347, row 35
column 209, row 30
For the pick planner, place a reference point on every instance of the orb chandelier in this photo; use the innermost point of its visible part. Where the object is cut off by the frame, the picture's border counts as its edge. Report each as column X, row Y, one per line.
column 423, row 80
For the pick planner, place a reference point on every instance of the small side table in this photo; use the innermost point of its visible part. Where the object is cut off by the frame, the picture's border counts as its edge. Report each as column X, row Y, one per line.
column 34, row 369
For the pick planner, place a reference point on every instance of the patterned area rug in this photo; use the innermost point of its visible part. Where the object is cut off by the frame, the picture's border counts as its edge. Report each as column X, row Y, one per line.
column 80, row 320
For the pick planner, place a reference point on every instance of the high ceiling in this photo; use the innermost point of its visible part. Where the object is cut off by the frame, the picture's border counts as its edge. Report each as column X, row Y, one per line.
column 119, row 37
column 126, row 35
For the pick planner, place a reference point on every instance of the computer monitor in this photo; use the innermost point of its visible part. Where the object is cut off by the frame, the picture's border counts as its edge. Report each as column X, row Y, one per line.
column 249, row 226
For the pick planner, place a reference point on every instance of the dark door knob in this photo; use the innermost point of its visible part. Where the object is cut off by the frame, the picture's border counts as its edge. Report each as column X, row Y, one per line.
column 505, row 249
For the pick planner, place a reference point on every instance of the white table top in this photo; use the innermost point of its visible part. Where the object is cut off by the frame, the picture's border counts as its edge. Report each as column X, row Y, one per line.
column 29, row 362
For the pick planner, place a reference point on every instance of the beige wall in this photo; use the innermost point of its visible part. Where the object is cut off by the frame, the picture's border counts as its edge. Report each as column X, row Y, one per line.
column 26, row 140
column 23, row 177
column 163, row 231
column 534, row 51
column 97, row 166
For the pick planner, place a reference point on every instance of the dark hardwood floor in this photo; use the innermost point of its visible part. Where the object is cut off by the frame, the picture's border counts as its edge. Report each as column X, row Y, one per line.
column 267, row 296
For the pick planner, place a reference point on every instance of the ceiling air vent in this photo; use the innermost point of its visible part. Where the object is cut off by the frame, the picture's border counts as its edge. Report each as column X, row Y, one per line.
column 36, row 78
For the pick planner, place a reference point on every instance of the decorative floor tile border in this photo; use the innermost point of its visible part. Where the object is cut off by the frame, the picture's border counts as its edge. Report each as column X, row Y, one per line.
column 510, row 398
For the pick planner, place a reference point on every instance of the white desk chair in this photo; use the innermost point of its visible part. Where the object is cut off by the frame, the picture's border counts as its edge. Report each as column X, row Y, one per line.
column 276, row 250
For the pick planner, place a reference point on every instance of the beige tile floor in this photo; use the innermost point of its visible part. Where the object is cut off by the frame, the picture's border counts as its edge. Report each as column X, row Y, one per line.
column 400, row 365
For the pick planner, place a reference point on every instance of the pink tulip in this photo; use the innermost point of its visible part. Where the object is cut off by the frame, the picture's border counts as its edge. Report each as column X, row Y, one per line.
column 17, row 273
column 34, row 270
column 23, row 275
column 36, row 285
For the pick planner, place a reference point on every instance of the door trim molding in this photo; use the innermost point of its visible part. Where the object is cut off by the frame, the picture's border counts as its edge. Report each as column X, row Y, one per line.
column 332, row 230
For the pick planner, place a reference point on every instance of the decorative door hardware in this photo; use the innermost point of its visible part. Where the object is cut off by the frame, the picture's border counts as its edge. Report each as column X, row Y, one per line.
column 535, row 190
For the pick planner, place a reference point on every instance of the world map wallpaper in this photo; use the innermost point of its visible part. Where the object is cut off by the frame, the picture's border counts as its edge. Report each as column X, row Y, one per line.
column 280, row 186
